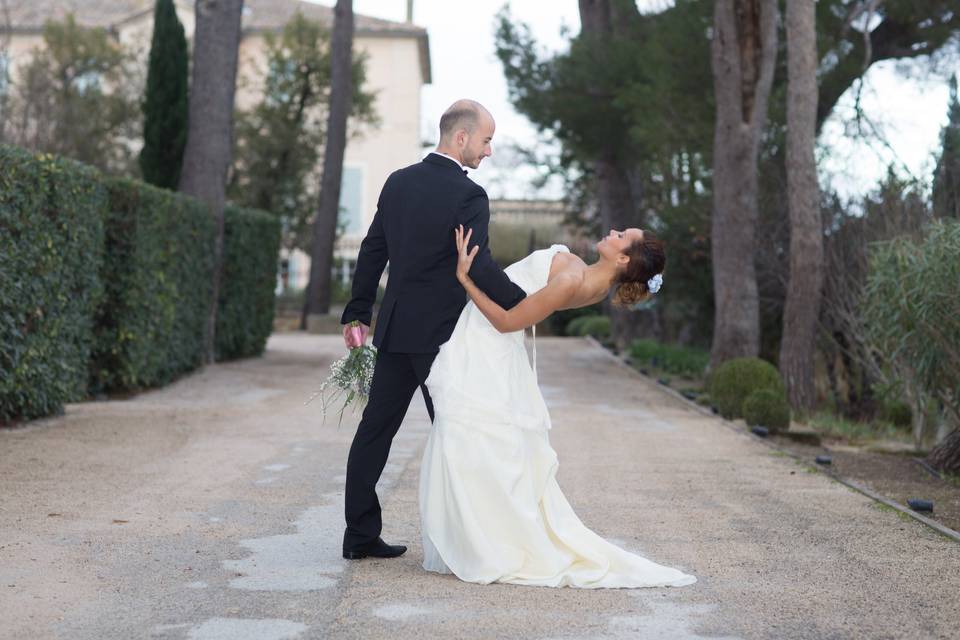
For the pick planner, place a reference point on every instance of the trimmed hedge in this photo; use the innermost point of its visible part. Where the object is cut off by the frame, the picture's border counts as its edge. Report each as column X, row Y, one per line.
column 248, row 282
column 157, row 270
column 106, row 283
column 51, row 242
column 736, row 379
column 766, row 407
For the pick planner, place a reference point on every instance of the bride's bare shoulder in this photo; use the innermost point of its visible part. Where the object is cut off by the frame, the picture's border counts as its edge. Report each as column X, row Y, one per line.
column 566, row 263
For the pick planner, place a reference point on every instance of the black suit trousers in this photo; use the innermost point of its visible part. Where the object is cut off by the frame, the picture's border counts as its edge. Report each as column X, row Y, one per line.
column 396, row 377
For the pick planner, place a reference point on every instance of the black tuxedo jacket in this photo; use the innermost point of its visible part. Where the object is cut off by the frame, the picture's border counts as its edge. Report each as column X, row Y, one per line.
column 418, row 210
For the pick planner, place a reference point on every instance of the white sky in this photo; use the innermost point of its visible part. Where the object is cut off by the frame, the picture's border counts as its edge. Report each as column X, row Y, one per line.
column 910, row 112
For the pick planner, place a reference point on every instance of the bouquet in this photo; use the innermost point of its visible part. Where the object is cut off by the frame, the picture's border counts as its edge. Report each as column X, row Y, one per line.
column 349, row 380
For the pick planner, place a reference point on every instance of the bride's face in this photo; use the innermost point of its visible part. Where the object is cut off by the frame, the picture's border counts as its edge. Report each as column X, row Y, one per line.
column 614, row 244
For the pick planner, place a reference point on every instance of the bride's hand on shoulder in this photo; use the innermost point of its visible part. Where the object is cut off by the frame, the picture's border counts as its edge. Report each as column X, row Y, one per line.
column 464, row 257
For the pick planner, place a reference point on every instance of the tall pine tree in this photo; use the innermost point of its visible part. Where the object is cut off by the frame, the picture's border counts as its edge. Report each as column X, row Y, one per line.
column 946, row 178
column 165, row 104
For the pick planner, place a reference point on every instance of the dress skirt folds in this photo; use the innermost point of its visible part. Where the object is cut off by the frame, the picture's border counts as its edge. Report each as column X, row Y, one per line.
column 490, row 506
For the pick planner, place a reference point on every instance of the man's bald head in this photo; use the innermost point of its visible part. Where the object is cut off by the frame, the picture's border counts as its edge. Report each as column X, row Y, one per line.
column 466, row 129
column 463, row 114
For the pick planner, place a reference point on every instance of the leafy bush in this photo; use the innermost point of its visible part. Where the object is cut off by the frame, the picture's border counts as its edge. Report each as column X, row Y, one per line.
column 249, row 280
column 157, row 270
column 51, row 242
column 912, row 314
column 575, row 326
column 897, row 413
column 559, row 321
column 767, row 408
column 736, row 379
column 676, row 359
column 105, row 284
column 597, row 326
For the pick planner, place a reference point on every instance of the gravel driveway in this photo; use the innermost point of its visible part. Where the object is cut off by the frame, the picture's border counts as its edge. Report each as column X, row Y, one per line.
column 212, row 509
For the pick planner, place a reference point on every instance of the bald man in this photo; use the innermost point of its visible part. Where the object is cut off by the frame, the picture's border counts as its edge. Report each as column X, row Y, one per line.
column 413, row 229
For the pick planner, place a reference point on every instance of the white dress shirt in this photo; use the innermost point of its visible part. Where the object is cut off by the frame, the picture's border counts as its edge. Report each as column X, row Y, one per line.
column 462, row 168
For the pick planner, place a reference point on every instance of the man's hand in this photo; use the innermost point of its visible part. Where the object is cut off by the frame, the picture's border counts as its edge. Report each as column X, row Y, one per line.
column 355, row 334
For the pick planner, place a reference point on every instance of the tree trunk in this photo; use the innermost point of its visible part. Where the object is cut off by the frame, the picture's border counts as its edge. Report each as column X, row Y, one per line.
column 325, row 225
column 206, row 158
column 806, row 234
column 946, row 455
column 743, row 53
column 619, row 199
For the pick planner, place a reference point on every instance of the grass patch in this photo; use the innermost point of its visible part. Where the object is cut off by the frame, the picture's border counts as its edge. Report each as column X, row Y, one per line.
column 888, row 509
column 951, row 479
column 835, row 426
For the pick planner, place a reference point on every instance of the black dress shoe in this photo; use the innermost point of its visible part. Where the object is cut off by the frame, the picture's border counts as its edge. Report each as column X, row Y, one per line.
column 376, row 549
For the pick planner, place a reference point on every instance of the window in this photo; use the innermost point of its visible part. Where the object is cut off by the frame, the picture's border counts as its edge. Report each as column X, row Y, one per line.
column 4, row 73
column 351, row 200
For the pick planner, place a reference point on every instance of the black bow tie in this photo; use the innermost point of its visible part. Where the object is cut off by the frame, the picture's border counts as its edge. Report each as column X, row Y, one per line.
column 464, row 172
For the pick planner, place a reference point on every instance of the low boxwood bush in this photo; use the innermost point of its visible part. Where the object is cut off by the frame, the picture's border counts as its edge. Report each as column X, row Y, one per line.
column 51, row 242
column 736, row 379
column 597, row 326
column 559, row 321
column 676, row 359
column 157, row 270
column 248, row 282
column 767, row 408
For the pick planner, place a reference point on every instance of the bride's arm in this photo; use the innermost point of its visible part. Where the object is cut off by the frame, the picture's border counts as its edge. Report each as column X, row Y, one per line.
column 531, row 310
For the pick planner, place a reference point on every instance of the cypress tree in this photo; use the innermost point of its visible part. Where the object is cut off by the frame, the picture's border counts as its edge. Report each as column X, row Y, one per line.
column 946, row 178
column 165, row 103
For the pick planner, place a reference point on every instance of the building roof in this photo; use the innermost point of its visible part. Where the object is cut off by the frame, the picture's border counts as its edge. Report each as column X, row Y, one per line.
column 28, row 16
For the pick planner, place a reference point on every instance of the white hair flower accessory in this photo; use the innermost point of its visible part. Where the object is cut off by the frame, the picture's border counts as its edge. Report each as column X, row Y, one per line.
column 654, row 283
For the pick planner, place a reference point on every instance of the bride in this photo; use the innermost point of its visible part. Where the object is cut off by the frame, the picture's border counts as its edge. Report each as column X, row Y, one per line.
column 491, row 508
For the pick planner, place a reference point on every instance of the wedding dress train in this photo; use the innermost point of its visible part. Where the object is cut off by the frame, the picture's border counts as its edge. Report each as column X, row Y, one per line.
column 490, row 506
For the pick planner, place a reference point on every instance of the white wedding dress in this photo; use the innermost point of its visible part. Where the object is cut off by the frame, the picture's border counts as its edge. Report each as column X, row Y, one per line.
column 490, row 506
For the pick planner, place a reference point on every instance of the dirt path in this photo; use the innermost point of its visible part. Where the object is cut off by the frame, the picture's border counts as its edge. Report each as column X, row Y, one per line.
column 212, row 509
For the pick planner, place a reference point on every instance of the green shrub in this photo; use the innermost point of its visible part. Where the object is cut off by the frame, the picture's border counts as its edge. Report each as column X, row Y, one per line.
column 897, row 413
column 106, row 284
column 560, row 320
column 51, row 242
column 736, row 379
column 597, row 326
column 248, row 282
column 676, row 359
column 768, row 408
column 911, row 312
column 157, row 271
column 574, row 327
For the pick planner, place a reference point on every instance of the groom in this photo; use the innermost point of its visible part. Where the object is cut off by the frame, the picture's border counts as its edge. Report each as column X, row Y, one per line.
column 413, row 228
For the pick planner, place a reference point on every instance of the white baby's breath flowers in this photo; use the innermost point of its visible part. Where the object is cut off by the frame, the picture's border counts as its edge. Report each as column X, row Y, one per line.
column 351, row 375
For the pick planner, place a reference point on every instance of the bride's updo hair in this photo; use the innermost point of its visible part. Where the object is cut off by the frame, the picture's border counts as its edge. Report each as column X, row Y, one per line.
column 647, row 259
